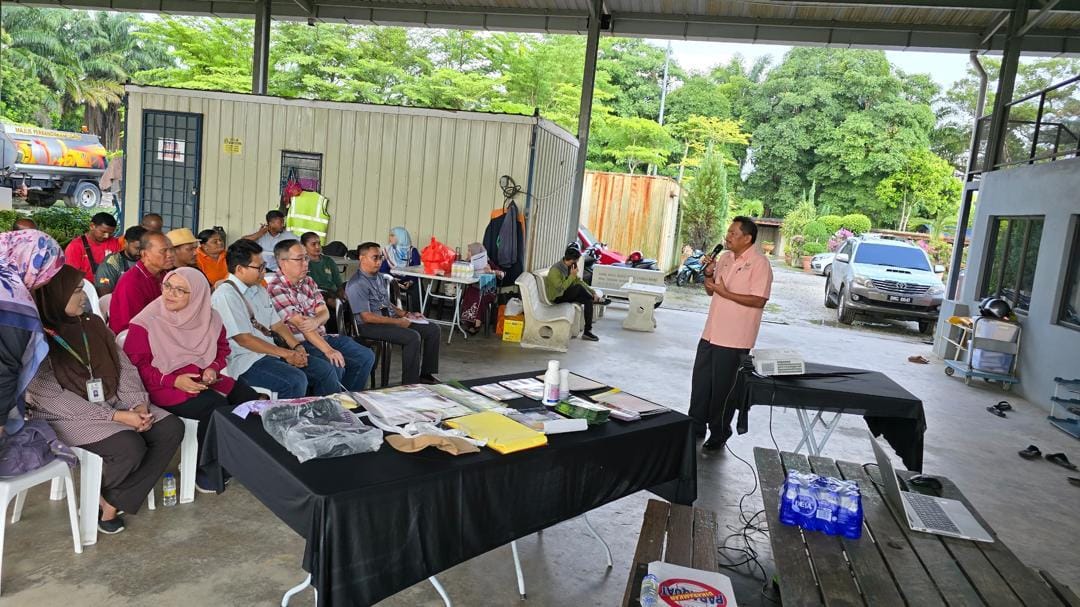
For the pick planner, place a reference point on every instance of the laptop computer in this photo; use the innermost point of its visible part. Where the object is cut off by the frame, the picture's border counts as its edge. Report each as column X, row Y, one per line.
column 927, row 513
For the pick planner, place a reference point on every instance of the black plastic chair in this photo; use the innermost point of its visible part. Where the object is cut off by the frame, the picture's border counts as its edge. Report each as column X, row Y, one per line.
column 346, row 322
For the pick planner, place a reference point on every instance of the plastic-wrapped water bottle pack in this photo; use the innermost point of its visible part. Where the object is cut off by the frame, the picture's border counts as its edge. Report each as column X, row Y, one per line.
column 821, row 503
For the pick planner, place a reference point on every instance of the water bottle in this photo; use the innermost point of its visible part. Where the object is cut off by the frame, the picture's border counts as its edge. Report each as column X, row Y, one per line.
column 787, row 499
column 168, row 490
column 650, row 591
column 805, row 505
column 564, row 384
column 551, row 384
column 849, row 514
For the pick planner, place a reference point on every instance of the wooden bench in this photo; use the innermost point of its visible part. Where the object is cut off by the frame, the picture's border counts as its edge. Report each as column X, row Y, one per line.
column 891, row 564
column 676, row 534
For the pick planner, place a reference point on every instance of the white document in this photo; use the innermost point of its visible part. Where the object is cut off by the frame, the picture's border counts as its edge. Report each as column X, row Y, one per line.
column 686, row 587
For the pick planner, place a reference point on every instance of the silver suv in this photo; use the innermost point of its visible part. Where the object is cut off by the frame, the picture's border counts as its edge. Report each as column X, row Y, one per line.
column 884, row 278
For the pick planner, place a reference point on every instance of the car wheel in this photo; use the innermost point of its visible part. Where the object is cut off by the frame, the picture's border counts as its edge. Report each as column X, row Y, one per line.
column 844, row 314
column 827, row 271
column 926, row 327
column 830, row 303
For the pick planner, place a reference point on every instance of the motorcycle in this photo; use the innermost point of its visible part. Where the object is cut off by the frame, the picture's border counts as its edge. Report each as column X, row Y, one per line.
column 692, row 270
column 589, row 258
column 639, row 261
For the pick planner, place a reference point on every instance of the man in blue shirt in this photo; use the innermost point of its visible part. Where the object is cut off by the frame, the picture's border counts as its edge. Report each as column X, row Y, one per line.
column 377, row 318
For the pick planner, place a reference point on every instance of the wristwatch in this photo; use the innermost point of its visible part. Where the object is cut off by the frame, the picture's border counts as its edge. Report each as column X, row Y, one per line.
column 298, row 346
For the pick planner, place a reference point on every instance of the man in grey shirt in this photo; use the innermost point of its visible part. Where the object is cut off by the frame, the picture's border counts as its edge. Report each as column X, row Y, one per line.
column 250, row 324
column 269, row 234
column 377, row 318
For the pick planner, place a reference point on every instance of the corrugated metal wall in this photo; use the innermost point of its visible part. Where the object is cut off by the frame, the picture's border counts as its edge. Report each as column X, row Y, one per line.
column 550, row 190
column 633, row 212
column 434, row 171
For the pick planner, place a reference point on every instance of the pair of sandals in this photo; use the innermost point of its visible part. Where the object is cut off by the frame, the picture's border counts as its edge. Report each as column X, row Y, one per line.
column 1033, row 452
column 1000, row 408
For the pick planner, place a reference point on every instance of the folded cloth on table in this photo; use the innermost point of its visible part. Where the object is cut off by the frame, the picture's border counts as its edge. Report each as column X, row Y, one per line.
column 454, row 445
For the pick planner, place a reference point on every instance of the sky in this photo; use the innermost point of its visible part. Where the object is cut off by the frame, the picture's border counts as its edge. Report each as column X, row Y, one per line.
column 944, row 68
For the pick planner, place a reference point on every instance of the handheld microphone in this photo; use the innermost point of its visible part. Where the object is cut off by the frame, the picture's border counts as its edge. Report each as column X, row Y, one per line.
column 716, row 250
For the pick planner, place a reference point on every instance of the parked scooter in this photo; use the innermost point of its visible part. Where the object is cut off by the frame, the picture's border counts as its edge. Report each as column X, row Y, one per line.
column 692, row 270
column 588, row 260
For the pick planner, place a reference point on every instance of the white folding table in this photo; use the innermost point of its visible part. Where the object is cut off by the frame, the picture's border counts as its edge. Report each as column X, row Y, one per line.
column 460, row 283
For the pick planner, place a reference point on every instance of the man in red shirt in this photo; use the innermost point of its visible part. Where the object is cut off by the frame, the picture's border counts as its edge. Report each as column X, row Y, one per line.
column 142, row 284
column 87, row 251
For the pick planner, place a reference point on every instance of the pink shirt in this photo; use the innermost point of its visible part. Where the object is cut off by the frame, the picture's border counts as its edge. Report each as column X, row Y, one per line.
column 730, row 324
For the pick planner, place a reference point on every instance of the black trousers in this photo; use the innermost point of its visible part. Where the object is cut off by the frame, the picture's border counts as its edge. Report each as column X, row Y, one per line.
column 201, row 407
column 134, row 461
column 711, row 401
column 419, row 347
column 581, row 295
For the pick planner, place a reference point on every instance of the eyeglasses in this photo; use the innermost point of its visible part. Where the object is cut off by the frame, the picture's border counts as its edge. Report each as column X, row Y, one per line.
column 258, row 268
column 303, row 259
column 168, row 288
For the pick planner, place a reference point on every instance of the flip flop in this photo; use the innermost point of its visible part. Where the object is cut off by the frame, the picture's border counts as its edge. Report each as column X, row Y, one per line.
column 1003, row 405
column 922, row 360
column 1074, row 480
column 1032, row 452
column 996, row 411
column 1061, row 460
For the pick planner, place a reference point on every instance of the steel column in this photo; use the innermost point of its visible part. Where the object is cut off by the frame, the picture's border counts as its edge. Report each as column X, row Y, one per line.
column 260, row 62
column 1010, row 60
column 592, row 45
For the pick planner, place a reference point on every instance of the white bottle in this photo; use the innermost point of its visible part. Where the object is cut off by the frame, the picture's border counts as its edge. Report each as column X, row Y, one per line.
column 564, row 384
column 551, row 384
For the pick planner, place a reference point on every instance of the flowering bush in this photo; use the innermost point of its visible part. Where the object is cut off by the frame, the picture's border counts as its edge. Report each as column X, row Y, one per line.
column 839, row 238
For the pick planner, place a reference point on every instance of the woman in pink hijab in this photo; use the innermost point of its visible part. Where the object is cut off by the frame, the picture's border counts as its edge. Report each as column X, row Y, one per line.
column 179, row 346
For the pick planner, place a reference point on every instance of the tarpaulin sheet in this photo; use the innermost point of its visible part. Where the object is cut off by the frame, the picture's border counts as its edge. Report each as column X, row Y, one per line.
column 889, row 410
column 380, row 522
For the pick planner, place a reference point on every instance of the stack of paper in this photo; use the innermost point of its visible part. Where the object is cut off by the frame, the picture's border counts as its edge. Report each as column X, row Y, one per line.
column 580, row 408
column 473, row 401
column 528, row 387
column 496, row 391
column 501, row 433
column 412, row 403
column 628, row 406
column 548, row 422
column 578, row 383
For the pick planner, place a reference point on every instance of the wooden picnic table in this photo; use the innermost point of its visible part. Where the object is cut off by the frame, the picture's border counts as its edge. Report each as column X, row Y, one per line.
column 891, row 564
column 676, row 534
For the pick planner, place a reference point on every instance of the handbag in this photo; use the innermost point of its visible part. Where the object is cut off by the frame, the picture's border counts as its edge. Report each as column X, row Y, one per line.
column 261, row 328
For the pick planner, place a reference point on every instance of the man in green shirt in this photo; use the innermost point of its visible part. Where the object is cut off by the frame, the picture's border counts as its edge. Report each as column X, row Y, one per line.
column 109, row 270
column 563, row 285
column 324, row 271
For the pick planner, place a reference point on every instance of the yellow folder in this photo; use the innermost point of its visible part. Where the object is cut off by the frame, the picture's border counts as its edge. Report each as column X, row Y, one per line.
column 501, row 433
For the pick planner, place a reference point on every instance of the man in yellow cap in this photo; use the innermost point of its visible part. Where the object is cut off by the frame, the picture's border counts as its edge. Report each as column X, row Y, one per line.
column 185, row 245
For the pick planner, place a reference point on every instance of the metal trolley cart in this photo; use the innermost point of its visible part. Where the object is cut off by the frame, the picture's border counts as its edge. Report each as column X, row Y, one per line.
column 980, row 347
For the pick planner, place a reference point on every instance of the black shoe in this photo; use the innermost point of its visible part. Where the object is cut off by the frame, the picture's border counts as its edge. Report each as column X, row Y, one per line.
column 699, row 431
column 111, row 526
column 428, row 379
column 588, row 336
column 713, row 444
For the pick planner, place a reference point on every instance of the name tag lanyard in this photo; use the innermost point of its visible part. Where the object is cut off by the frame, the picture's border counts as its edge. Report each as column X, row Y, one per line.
column 94, row 391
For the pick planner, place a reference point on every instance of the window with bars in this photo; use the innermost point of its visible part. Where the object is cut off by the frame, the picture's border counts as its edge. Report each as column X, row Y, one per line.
column 1069, row 314
column 1011, row 260
column 303, row 167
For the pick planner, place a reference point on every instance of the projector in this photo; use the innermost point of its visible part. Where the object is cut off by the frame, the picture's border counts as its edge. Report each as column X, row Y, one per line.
column 777, row 361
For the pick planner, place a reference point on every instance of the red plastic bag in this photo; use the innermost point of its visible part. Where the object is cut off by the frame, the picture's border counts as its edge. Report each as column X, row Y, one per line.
column 437, row 258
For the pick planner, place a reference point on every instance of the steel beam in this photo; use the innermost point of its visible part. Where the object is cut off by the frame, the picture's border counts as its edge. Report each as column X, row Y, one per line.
column 260, row 60
column 588, row 80
column 1010, row 60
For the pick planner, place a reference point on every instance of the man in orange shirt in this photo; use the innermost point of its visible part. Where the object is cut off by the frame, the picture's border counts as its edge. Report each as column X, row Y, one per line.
column 740, row 282
column 86, row 252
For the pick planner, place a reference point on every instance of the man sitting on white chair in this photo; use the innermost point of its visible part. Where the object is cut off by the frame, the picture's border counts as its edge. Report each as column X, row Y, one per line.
column 377, row 318
column 563, row 285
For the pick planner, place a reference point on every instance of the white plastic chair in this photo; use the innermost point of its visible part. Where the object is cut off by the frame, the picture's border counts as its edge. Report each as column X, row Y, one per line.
column 92, row 297
column 90, row 468
column 17, row 486
column 546, row 327
column 103, row 303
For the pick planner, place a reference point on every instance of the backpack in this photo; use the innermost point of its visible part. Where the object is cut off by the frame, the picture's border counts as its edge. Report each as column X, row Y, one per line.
column 31, row 448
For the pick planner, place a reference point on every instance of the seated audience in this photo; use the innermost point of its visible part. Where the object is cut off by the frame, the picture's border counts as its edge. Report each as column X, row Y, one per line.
column 85, row 253
column 269, row 235
column 324, row 271
column 477, row 299
column 110, row 270
column 92, row 396
column 251, row 324
column 29, row 259
column 184, row 246
column 301, row 306
column 23, row 223
column 210, row 256
column 142, row 284
column 377, row 318
column 399, row 252
column 563, row 285
column 151, row 222
column 179, row 346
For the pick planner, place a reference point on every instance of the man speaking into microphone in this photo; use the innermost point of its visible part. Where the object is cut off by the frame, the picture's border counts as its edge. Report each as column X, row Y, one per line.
column 739, row 282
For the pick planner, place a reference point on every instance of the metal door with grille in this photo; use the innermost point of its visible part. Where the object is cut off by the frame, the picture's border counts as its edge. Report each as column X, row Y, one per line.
column 171, row 154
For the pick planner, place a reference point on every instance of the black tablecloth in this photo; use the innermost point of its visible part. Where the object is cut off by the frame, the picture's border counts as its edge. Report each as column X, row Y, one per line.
column 377, row 523
column 889, row 410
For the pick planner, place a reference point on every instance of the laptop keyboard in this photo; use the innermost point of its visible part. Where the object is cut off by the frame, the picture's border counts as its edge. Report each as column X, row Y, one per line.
column 931, row 512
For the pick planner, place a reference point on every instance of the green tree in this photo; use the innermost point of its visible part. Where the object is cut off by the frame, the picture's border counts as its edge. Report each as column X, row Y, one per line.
column 635, row 142
column 923, row 185
column 705, row 207
column 25, row 99
column 635, row 69
column 697, row 96
column 208, row 54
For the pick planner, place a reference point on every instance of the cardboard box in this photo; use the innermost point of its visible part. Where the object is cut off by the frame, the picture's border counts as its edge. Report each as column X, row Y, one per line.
column 513, row 327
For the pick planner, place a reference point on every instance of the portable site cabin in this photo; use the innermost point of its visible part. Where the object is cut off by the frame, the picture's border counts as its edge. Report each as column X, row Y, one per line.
column 204, row 159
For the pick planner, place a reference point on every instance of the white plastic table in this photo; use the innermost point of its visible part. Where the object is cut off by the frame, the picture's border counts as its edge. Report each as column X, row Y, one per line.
column 431, row 280
column 643, row 300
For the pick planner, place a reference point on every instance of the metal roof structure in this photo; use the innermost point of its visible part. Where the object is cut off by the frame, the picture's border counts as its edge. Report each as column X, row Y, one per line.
column 1053, row 26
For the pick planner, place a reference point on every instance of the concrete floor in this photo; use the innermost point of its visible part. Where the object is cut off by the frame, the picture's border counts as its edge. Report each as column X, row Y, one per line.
column 230, row 550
